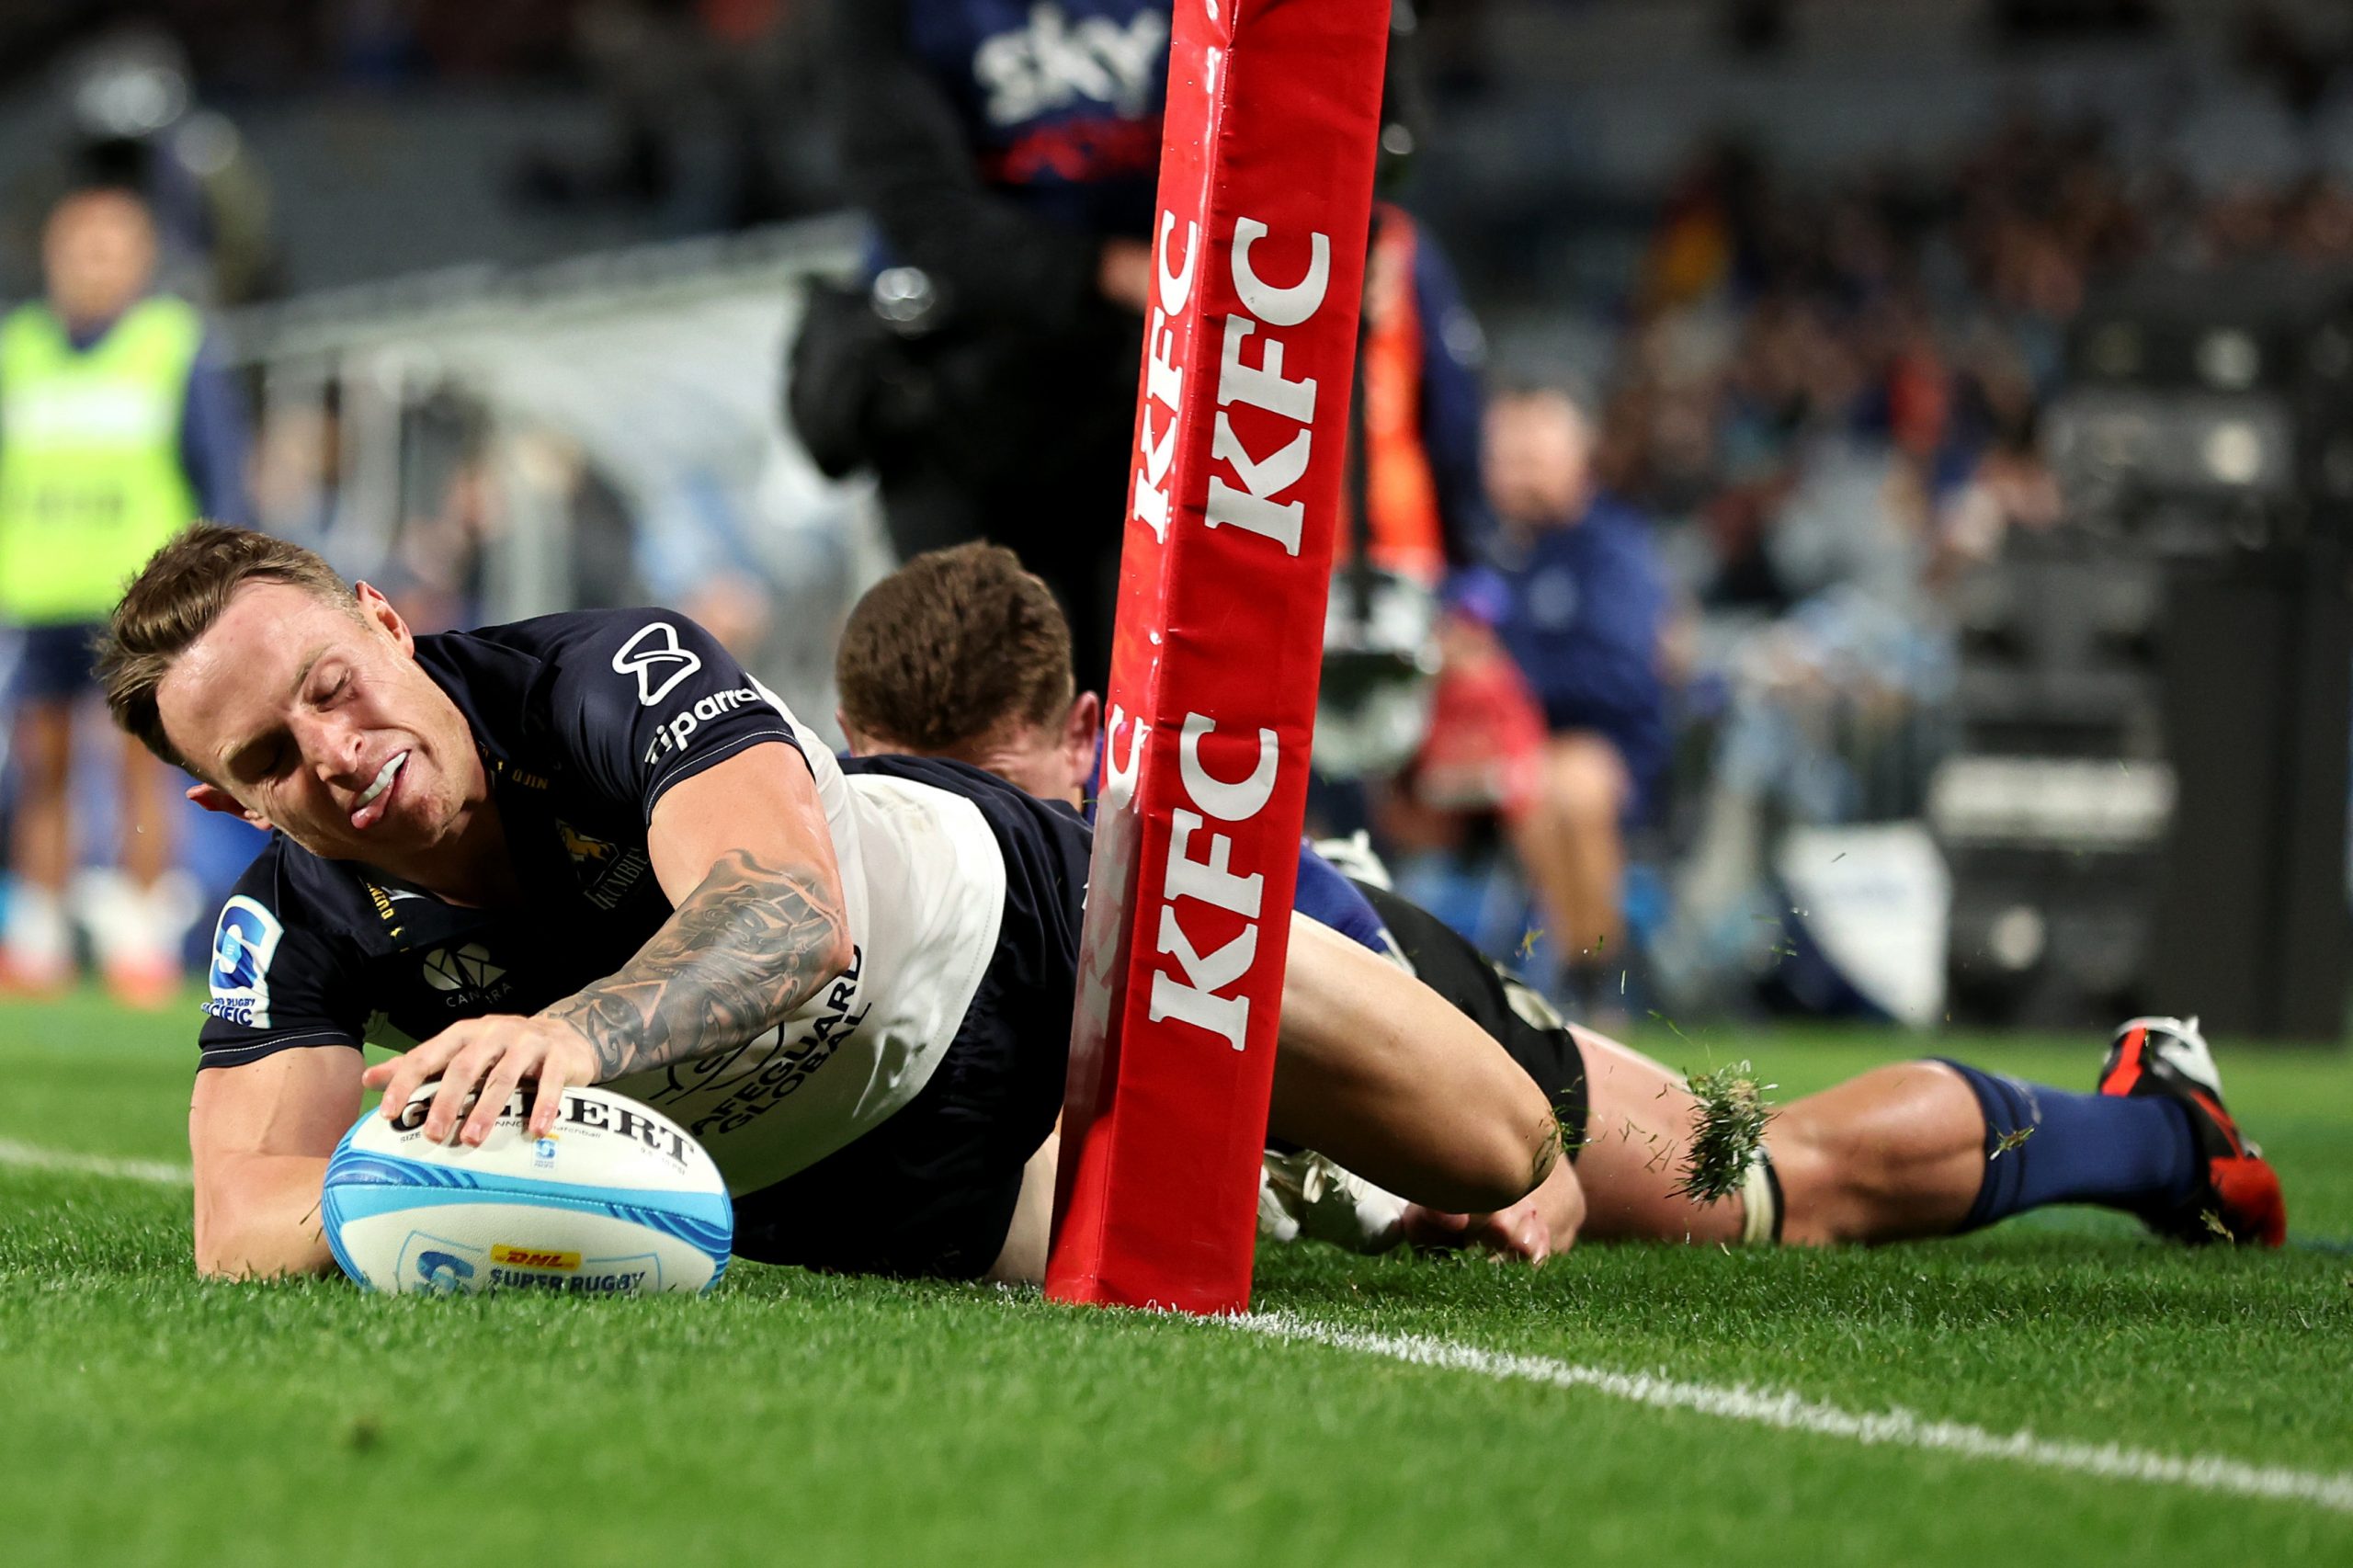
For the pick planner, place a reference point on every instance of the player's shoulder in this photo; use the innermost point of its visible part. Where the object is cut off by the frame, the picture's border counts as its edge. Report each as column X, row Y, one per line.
column 289, row 907
column 580, row 671
column 576, row 641
column 287, row 887
column 633, row 658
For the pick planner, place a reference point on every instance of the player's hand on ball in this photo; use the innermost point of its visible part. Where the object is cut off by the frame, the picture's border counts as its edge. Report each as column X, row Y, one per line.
column 487, row 1057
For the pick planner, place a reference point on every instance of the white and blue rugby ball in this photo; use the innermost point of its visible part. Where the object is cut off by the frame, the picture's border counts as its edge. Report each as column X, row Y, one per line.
column 618, row 1200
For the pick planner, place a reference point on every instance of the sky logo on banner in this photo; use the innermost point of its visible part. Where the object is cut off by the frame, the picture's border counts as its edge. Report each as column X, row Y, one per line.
column 1053, row 62
column 243, row 944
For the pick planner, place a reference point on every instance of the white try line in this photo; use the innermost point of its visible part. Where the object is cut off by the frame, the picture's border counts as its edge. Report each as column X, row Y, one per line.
column 33, row 1157
column 1789, row 1412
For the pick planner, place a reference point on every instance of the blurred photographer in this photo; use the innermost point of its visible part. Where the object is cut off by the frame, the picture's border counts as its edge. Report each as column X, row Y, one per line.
column 1009, row 153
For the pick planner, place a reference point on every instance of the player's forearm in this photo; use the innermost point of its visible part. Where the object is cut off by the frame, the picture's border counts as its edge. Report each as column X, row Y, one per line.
column 258, row 1217
column 749, row 945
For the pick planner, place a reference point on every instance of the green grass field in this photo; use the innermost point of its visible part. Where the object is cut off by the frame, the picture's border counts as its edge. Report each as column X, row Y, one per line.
column 145, row 1418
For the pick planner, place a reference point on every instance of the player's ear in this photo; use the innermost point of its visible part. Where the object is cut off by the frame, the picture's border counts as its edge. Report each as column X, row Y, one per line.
column 1080, row 727
column 212, row 798
column 378, row 611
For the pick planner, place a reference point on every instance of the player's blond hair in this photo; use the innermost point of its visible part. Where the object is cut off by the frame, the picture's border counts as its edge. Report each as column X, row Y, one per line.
column 175, row 601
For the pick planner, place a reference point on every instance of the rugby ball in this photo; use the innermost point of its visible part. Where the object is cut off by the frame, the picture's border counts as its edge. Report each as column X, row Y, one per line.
column 618, row 1200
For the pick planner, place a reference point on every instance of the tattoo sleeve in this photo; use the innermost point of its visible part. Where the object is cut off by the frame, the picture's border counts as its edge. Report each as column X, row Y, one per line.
column 751, row 943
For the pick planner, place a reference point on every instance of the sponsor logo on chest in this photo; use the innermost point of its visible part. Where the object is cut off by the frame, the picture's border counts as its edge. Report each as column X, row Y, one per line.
column 465, row 975
column 605, row 871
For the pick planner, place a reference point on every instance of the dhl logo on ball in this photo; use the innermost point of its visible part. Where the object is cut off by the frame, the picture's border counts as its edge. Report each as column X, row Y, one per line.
column 532, row 1257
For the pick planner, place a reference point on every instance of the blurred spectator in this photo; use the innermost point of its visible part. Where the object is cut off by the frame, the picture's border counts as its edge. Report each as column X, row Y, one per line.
column 116, row 430
column 1583, row 614
column 1009, row 153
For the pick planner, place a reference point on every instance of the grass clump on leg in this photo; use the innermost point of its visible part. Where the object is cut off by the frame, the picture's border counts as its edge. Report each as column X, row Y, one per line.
column 1732, row 1118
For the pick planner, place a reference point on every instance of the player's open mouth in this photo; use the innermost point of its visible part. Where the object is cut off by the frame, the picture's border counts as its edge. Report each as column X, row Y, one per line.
column 365, row 816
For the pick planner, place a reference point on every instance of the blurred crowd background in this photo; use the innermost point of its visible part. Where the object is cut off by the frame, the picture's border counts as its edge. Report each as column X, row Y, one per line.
column 1784, row 529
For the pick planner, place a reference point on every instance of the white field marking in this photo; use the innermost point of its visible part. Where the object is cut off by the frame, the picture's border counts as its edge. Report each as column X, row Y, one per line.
column 33, row 1157
column 1895, row 1428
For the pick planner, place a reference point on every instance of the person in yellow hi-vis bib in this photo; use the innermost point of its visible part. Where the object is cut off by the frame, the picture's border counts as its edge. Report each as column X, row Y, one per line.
column 116, row 431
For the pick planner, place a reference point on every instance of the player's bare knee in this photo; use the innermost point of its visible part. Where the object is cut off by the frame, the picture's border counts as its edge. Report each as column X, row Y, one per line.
column 1835, row 1192
column 1810, row 1185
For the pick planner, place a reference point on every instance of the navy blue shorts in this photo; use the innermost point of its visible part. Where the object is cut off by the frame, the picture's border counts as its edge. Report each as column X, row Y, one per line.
column 60, row 662
column 931, row 1191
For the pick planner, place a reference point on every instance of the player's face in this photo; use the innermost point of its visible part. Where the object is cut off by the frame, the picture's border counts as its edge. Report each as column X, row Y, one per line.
column 307, row 718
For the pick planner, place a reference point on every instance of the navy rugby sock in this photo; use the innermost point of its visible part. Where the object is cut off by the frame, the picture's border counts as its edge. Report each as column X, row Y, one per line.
column 2046, row 1145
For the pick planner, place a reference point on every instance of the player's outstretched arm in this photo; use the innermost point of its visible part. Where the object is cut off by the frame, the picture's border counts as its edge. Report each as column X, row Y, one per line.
column 758, row 927
column 1376, row 1071
column 743, row 852
column 260, row 1135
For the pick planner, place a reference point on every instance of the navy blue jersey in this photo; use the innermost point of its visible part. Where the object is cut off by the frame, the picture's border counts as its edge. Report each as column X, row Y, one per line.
column 1333, row 901
column 311, row 951
column 584, row 720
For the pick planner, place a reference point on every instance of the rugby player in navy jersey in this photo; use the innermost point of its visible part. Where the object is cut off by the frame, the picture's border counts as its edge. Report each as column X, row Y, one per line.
column 590, row 848
column 961, row 653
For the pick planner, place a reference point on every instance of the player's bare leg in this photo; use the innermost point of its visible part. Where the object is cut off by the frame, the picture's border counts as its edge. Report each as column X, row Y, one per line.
column 1378, row 1073
column 141, row 967
column 39, row 944
column 1896, row 1153
column 1022, row 1261
column 1918, row 1149
column 150, row 791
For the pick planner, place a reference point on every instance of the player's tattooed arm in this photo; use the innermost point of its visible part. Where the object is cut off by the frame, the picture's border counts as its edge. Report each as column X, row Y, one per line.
column 752, row 942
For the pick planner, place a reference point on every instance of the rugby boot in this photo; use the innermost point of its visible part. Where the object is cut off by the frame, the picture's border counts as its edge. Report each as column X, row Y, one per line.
column 2237, row 1197
column 1303, row 1194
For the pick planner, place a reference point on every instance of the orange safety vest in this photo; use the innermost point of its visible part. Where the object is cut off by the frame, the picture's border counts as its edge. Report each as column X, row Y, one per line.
column 1406, row 534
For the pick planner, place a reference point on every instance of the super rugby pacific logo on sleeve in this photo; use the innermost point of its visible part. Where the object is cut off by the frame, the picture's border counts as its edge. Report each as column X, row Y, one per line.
column 243, row 944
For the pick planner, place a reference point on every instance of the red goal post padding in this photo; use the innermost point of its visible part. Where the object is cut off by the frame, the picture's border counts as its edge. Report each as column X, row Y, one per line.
column 1266, row 190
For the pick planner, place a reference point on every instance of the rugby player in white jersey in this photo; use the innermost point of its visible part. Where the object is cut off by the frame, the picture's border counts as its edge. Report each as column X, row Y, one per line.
column 590, row 848
column 961, row 653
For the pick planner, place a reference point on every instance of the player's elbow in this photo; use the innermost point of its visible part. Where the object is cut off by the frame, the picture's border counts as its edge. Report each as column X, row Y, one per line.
column 1511, row 1149
column 265, row 1233
column 839, row 952
column 233, row 1250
